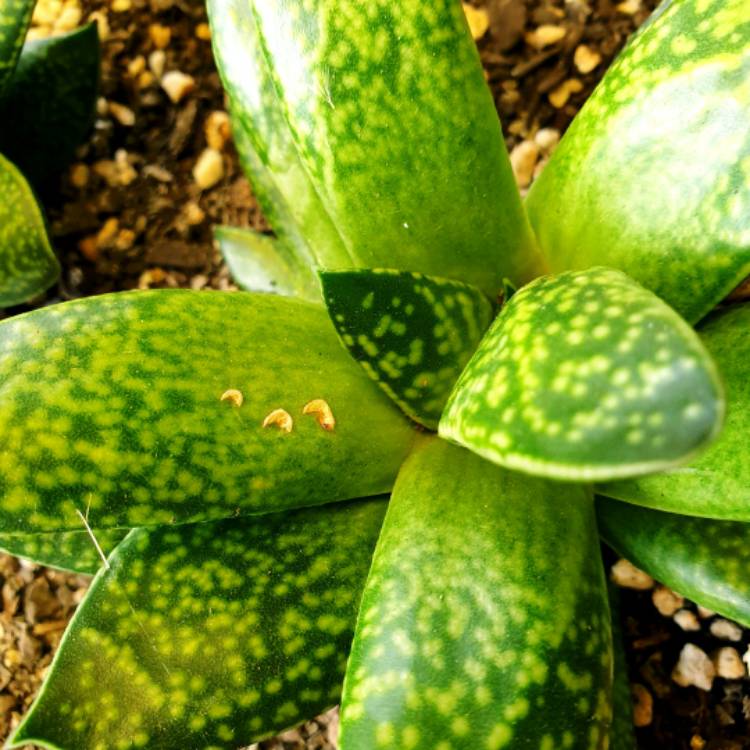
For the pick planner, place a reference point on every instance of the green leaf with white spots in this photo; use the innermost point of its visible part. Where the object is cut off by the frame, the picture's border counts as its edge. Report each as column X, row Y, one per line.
column 621, row 735
column 15, row 17
column 67, row 550
column 260, row 263
column 210, row 635
column 112, row 405
column 413, row 334
column 653, row 176
column 28, row 265
column 484, row 622
column 48, row 106
column 376, row 121
column 717, row 483
column 586, row 376
column 703, row 559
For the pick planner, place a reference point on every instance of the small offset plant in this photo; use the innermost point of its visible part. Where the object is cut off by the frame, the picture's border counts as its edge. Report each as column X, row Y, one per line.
column 233, row 452
column 47, row 94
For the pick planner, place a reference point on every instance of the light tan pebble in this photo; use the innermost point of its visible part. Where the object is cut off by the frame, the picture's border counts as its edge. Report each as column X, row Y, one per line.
column 726, row 630
column 146, row 79
column 234, row 396
column 694, row 668
column 547, row 139
column 151, row 276
column 193, row 214
column 629, row 7
column 666, row 601
column 643, row 705
column 687, row 620
column 160, row 35
column 478, row 20
column 627, row 576
column 209, row 169
column 136, row 66
column 46, row 12
column 38, row 32
column 322, row 412
column 69, row 19
column 523, row 159
column 157, row 60
column 199, row 282
column 545, row 35
column 102, row 107
column 124, row 115
column 126, row 174
column 705, row 613
column 79, row 175
column 218, row 129
column 177, row 85
column 586, row 59
column 203, row 32
column 108, row 232
column 559, row 96
column 121, row 6
column 102, row 24
column 728, row 664
column 281, row 419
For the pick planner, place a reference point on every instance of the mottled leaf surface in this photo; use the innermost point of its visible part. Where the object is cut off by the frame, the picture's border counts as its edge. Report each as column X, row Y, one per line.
column 666, row 133
column 484, row 622
column 261, row 263
column 48, row 107
column 28, row 265
column 413, row 334
column 66, row 550
column 15, row 16
column 210, row 635
column 717, row 483
column 113, row 404
column 586, row 375
column 703, row 559
column 376, row 118
column 622, row 733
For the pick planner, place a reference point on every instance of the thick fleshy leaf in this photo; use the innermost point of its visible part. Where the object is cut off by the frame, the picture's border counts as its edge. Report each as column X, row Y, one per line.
column 413, row 334
column 586, row 375
column 48, row 107
column 67, row 550
column 15, row 16
column 210, row 635
column 717, row 483
column 484, row 622
column 703, row 559
column 112, row 405
column 652, row 175
column 375, row 119
column 622, row 734
column 28, row 265
column 261, row 263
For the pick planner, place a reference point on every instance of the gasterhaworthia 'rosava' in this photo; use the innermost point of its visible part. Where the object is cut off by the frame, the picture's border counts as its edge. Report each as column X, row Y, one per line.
column 653, row 176
column 261, row 263
column 413, row 334
column 704, row 559
column 15, row 16
column 586, row 375
column 112, row 406
column 484, row 618
column 621, row 736
column 48, row 106
column 210, row 635
column 66, row 550
column 376, row 119
column 717, row 483
column 28, row 265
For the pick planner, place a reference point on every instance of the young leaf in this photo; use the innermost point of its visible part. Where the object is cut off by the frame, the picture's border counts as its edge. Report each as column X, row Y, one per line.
column 651, row 177
column 48, row 106
column 210, row 635
column 260, row 263
column 717, row 483
column 584, row 376
column 127, row 407
column 703, row 559
column 15, row 16
column 484, row 608
column 28, row 265
column 413, row 334
column 68, row 550
column 384, row 110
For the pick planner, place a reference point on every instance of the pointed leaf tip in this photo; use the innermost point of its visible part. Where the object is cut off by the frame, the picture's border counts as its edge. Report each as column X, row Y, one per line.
column 586, row 376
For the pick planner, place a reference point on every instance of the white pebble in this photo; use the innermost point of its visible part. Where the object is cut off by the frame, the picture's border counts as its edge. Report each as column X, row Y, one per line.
column 666, row 601
column 728, row 663
column 726, row 630
column 547, row 139
column 687, row 620
column 177, row 85
column 626, row 575
column 209, row 169
column 694, row 668
column 523, row 159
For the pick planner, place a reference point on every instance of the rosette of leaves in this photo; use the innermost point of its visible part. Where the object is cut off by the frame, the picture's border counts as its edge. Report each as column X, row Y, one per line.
column 377, row 485
column 47, row 95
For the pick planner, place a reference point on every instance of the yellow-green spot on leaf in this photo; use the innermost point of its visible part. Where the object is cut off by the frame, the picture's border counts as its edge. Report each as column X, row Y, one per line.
column 15, row 17
column 584, row 414
column 415, row 350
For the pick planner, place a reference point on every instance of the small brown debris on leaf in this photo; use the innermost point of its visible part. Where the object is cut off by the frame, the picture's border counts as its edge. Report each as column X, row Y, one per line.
column 323, row 412
column 234, row 396
column 281, row 419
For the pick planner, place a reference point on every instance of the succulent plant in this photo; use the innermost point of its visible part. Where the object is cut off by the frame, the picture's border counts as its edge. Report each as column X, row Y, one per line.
column 489, row 365
column 48, row 89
